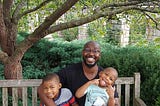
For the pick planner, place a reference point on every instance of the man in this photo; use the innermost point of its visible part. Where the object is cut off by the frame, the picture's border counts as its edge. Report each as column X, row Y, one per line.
column 78, row 74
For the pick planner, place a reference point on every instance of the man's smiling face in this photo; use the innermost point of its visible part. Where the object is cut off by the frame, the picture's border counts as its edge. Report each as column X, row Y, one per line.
column 91, row 54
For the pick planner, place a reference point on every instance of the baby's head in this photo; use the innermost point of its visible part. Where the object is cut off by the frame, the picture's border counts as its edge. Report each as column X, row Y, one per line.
column 108, row 77
column 51, row 85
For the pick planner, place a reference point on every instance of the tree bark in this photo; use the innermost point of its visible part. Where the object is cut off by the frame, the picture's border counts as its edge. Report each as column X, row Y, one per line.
column 13, row 70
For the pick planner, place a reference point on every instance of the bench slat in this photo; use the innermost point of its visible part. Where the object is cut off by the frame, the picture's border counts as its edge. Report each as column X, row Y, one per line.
column 24, row 96
column 34, row 96
column 15, row 96
column 119, row 92
column 20, row 83
column 5, row 96
column 125, row 80
column 127, row 94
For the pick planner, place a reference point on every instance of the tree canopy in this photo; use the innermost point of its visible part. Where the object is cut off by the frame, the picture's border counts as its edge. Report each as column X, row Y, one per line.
column 13, row 12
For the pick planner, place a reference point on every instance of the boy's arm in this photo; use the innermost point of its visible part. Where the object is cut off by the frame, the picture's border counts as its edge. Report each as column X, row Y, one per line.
column 44, row 98
column 113, row 102
column 81, row 91
column 117, row 102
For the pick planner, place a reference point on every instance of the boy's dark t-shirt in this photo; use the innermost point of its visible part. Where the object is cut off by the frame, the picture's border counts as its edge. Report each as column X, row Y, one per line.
column 73, row 77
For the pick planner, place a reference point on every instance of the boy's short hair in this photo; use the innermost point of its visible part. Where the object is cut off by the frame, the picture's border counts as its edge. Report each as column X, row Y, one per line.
column 112, row 69
column 51, row 76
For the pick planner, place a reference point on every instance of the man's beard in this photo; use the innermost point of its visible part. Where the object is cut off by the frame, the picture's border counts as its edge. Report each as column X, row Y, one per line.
column 89, row 65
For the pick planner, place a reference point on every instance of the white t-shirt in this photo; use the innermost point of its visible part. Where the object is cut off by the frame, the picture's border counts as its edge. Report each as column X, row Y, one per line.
column 96, row 96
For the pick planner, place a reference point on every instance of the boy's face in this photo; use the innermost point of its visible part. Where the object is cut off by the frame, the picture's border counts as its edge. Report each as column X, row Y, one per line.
column 51, row 88
column 107, row 78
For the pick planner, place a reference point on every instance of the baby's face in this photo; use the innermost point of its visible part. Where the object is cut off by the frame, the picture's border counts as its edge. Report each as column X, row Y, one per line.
column 107, row 78
column 51, row 88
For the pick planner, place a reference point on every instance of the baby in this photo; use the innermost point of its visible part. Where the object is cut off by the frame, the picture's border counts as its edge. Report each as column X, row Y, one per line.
column 100, row 92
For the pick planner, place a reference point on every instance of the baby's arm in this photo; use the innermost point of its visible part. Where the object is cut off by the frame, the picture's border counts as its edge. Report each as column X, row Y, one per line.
column 110, row 90
column 81, row 91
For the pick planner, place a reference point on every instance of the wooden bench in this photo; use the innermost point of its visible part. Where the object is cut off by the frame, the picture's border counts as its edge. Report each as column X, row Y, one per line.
column 127, row 82
column 123, row 87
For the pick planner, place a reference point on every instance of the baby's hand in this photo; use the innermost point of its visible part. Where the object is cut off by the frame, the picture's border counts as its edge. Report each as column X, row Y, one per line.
column 110, row 90
column 95, row 81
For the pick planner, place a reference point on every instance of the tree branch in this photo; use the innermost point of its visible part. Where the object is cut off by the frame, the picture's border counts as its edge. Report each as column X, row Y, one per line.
column 150, row 17
column 75, row 23
column 3, row 56
column 151, row 10
column 41, row 31
column 53, row 17
column 105, row 12
column 7, row 4
column 17, row 10
column 45, row 29
column 3, row 40
column 114, row 5
column 144, row 5
column 157, row 2
column 33, row 9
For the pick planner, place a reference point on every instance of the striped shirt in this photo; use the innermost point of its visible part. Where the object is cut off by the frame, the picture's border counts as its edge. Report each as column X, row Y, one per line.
column 65, row 98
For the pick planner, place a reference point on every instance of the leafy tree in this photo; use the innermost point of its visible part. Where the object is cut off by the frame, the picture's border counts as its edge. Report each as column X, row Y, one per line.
column 14, row 12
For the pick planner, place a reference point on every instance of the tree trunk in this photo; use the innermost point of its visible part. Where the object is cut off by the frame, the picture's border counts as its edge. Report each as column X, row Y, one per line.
column 13, row 70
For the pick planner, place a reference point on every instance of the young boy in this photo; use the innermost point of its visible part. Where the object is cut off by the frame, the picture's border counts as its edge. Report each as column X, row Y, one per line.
column 52, row 89
column 100, row 92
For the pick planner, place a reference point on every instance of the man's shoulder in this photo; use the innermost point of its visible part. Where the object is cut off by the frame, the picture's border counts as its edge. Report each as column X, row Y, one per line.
column 100, row 68
column 73, row 66
column 71, row 70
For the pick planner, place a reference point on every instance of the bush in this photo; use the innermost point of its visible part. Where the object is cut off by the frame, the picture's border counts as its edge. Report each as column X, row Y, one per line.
column 158, row 101
column 45, row 57
column 128, row 60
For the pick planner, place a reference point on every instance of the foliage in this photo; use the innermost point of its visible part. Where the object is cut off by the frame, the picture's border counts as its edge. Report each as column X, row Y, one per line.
column 132, row 59
column 21, row 36
column 158, row 101
column 31, row 21
column 104, row 30
column 113, row 33
column 151, row 86
column 137, row 31
column 84, row 8
column 96, row 29
column 1, row 71
column 51, row 56
column 70, row 34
